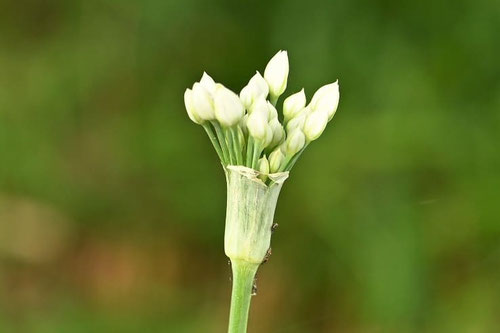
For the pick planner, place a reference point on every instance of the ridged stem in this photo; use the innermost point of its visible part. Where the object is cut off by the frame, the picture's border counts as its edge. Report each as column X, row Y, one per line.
column 243, row 280
column 214, row 141
column 222, row 142
column 250, row 148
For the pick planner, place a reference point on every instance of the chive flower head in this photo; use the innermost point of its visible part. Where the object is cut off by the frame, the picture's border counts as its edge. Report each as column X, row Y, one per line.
column 249, row 130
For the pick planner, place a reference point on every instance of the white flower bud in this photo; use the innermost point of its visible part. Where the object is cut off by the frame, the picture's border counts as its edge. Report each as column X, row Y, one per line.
column 273, row 113
column 246, row 97
column 228, row 107
column 298, row 121
column 278, row 132
column 241, row 136
column 294, row 142
column 326, row 99
column 315, row 125
column 276, row 73
column 208, row 83
column 275, row 160
column 188, row 101
column 293, row 104
column 243, row 124
column 257, row 124
column 260, row 106
column 282, row 148
column 202, row 102
column 256, row 88
column 263, row 166
column 269, row 137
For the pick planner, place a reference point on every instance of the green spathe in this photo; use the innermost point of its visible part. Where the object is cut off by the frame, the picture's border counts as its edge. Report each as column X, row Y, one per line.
column 250, row 212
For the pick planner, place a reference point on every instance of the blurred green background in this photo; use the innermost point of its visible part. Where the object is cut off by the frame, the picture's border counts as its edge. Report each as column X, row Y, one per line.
column 112, row 202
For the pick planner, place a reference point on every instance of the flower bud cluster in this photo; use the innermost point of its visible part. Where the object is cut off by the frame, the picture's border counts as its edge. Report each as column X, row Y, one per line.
column 246, row 130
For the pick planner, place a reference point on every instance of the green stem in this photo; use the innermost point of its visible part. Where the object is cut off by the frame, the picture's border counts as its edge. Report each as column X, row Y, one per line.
column 285, row 164
column 236, row 145
column 213, row 138
column 250, row 147
column 256, row 154
column 230, row 146
column 222, row 141
column 294, row 159
column 243, row 279
column 290, row 162
column 242, row 143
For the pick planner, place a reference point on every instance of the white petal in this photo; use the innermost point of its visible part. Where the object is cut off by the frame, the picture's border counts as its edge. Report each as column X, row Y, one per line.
column 208, row 83
column 298, row 121
column 293, row 104
column 275, row 160
column 278, row 132
column 295, row 142
column 264, row 165
column 326, row 99
column 255, row 89
column 203, row 102
column 276, row 73
column 188, row 102
column 228, row 107
column 273, row 113
column 315, row 125
column 256, row 125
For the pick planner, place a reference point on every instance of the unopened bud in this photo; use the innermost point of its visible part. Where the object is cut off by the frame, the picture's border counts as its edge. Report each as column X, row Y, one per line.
column 278, row 132
column 276, row 159
column 228, row 107
column 243, row 124
column 298, row 121
column 260, row 106
column 269, row 137
column 294, row 142
column 293, row 105
column 257, row 125
column 276, row 73
column 263, row 167
column 188, row 102
column 202, row 102
column 272, row 112
column 241, row 137
column 315, row 125
column 326, row 99
column 256, row 88
column 208, row 83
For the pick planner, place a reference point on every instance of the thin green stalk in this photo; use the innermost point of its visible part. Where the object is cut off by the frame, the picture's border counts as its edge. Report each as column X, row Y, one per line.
column 289, row 165
column 230, row 146
column 236, row 145
column 250, row 148
column 222, row 141
column 256, row 154
column 285, row 164
column 243, row 280
column 214, row 141
column 242, row 143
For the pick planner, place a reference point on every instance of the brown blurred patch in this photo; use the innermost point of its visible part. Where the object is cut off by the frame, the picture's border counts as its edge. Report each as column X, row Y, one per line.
column 31, row 231
column 109, row 272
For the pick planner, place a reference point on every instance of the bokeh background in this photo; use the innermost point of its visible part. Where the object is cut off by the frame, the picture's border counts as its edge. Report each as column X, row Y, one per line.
column 112, row 201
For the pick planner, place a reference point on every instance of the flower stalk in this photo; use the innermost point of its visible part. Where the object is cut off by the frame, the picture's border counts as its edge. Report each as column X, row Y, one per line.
column 241, row 295
column 257, row 152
